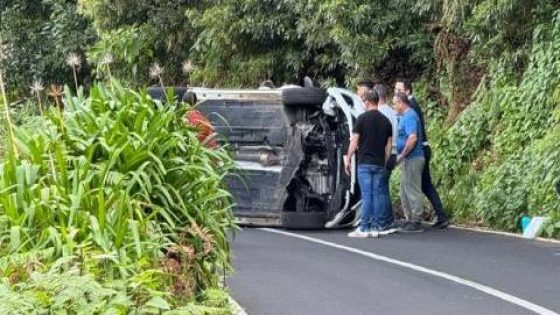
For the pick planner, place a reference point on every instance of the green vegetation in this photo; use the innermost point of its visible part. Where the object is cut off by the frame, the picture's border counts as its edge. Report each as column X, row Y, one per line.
column 112, row 206
column 36, row 38
column 499, row 161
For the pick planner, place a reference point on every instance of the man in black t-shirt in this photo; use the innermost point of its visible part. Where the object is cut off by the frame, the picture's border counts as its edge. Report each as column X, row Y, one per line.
column 372, row 138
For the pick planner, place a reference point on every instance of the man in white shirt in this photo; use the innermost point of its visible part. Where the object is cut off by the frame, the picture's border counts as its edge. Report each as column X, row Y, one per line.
column 387, row 218
column 387, row 110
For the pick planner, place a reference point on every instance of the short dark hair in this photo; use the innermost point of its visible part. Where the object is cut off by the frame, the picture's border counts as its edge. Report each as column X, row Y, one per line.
column 381, row 90
column 401, row 96
column 372, row 97
column 366, row 82
column 407, row 84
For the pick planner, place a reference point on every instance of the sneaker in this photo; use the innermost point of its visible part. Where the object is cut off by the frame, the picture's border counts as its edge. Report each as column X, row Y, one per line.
column 357, row 217
column 374, row 233
column 337, row 219
column 357, row 233
column 412, row 227
column 440, row 224
column 390, row 229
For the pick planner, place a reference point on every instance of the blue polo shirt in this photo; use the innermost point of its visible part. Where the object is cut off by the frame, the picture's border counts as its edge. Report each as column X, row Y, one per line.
column 409, row 123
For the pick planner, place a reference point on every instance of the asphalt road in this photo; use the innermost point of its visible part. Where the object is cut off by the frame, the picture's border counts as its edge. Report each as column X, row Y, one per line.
column 328, row 273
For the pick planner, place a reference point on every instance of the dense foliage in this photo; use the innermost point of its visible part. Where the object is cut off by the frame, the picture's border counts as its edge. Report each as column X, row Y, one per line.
column 500, row 159
column 37, row 36
column 113, row 205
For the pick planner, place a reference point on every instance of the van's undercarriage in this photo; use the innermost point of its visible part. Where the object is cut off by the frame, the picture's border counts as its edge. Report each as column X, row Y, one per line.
column 288, row 145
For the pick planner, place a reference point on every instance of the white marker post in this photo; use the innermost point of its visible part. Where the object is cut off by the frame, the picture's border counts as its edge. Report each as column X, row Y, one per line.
column 533, row 229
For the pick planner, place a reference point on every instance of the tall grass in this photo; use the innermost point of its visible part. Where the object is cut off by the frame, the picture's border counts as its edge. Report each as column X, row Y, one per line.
column 122, row 185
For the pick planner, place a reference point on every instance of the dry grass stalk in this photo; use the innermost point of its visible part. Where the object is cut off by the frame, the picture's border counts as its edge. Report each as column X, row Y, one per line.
column 75, row 62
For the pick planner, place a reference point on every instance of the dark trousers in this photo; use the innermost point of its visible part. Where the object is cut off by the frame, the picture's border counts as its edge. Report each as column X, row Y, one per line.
column 428, row 187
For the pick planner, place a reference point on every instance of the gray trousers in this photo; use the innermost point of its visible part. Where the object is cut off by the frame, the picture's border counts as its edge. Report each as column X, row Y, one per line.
column 411, row 188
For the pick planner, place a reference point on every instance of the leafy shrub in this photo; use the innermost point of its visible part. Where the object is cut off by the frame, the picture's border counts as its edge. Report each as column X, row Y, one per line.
column 121, row 179
column 131, row 49
column 500, row 160
column 37, row 37
column 23, row 114
column 64, row 288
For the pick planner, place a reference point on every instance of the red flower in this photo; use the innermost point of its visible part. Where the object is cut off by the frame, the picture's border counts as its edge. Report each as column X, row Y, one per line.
column 206, row 133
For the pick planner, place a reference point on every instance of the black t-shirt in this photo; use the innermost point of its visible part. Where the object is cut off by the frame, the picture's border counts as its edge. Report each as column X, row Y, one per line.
column 374, row 130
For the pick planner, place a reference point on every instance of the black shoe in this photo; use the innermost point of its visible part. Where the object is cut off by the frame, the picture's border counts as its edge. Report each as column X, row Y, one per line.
column 440, row 224
column 398, row 224
column 412, row 227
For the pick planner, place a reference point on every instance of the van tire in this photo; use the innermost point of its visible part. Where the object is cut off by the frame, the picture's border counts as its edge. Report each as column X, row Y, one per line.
column 303, row 96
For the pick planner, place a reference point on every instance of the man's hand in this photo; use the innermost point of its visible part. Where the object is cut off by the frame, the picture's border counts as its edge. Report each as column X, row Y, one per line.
column 354, row 139
column 409, row 146
column 347, row 165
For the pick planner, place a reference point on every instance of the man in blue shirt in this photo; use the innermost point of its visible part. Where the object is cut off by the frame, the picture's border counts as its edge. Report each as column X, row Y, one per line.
column 411, row 155
column 404, row 85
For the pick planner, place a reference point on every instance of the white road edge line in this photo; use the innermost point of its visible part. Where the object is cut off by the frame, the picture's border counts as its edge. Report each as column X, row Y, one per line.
column 489, row 231
column 477, row 286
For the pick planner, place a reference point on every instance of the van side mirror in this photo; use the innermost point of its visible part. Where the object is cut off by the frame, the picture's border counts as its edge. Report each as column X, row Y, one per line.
column 558, row 187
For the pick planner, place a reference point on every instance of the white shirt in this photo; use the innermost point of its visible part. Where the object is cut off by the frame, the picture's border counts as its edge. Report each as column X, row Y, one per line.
column 388, row 112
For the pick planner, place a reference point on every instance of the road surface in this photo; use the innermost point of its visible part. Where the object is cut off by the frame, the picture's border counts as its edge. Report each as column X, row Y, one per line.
column 437, row 272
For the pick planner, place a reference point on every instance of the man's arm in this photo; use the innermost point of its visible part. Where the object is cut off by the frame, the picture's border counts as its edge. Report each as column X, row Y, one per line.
column 388, row 149
column 351, row 150
column 409, row 146
column 414, row 104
